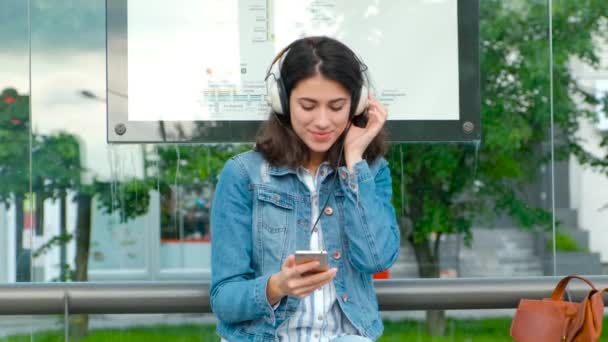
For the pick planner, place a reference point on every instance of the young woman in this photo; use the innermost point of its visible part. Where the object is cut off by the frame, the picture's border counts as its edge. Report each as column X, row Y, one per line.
column 314, row 181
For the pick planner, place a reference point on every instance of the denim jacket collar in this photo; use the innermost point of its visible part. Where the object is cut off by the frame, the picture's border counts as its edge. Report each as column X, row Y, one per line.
column 281, row 170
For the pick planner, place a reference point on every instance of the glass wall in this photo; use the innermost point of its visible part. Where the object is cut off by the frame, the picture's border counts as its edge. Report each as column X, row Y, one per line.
column 15, row 125
column 32, row 328
column 79, row 209
column 581, row 59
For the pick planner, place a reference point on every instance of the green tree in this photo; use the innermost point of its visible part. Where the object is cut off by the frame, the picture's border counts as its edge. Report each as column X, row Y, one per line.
column 14, row 166
column 56, row 171
column 173, row 167
column 181, row 168
column 445, row 188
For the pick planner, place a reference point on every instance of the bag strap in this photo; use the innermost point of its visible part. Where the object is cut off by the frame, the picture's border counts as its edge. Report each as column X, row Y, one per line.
column 597, row 301
column 593, row 304
column 558, row 292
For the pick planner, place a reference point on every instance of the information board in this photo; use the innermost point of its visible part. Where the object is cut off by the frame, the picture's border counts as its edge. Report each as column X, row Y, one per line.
column 194, row 71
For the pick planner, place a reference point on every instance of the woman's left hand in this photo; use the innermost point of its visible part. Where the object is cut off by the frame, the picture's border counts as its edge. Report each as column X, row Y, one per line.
column 357, row 139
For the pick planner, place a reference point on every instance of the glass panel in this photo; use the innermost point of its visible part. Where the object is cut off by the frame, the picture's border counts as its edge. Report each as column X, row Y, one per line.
column 157, row 327
column 68, row 66
column 15, row 223
column 580, row 86
column 148, row 205
column 442, row 194
column 144, row 208
column 482, row 210
column 32, row 328
column 185, row 179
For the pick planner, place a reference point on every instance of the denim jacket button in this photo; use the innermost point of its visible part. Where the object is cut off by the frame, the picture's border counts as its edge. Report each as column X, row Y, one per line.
column 337, row 255
column 343, row 175
column 328, row 211
column 344, row 298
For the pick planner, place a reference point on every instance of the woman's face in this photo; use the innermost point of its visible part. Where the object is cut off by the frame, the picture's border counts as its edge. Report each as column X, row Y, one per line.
column 319, row 112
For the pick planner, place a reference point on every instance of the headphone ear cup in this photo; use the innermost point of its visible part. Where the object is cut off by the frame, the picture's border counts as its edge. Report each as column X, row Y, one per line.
column 362, row 104
column 273, row 96
column 283, row 100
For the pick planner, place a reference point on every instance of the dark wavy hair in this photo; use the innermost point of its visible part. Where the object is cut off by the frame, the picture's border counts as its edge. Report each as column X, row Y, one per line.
column 304, row 58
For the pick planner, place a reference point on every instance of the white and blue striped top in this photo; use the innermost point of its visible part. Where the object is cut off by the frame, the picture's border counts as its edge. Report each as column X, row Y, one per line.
column 319, row 317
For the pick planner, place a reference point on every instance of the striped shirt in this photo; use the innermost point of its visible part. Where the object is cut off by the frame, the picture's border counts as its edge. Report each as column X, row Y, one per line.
column 319, row 316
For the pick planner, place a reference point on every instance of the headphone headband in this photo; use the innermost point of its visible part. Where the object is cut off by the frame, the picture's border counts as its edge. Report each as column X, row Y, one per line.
column 276, row 92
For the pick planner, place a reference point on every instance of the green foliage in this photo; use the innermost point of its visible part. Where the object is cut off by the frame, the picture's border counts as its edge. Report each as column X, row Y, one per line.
column 56, row 158
column 129, row 199
column 14, row 144
column 564, row 243
column 53, row 242
column 188, row 167
column 444, row 188
column 173, row 167
column 55, row 164
column 427, row 190
column 189, row 164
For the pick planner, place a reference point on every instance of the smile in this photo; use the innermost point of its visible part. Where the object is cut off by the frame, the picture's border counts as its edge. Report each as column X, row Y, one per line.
column 321, row 136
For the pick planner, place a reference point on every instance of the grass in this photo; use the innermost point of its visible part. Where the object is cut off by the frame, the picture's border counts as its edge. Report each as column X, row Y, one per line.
column 495, row 330
column 564, row 243
column 161, row 333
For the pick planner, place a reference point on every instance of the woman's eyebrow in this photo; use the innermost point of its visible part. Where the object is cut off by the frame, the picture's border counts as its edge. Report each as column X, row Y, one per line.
column 315, row 101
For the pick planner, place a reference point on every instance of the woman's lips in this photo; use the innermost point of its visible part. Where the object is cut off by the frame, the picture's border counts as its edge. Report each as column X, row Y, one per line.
column 321, row 136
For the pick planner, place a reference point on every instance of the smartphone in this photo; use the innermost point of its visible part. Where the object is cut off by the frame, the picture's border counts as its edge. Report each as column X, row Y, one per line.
column 303, row 257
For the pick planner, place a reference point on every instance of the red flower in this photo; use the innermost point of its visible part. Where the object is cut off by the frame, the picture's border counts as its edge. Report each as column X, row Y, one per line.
column 9, row 100
column 15, row 121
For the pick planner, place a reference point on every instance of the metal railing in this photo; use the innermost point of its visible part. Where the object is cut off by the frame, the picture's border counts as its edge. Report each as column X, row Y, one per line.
column 193, row 297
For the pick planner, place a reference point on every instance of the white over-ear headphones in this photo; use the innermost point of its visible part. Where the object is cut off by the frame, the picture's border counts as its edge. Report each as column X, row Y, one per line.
column 277, row 94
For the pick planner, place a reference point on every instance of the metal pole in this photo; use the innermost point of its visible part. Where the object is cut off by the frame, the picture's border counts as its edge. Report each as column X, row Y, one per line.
column 193, row 296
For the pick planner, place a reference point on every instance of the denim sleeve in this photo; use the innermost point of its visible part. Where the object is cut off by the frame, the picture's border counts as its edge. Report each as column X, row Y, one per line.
column 236, row 295
column 371, row 225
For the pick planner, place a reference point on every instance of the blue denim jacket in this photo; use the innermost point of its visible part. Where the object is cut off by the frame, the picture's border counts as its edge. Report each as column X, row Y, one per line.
column 261, row 214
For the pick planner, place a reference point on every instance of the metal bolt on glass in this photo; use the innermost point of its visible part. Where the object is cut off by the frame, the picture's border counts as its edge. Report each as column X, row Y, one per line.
column 468, row 127
column 120, row 129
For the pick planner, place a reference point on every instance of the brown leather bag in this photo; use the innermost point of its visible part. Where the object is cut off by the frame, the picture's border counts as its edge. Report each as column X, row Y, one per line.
column 553, row 319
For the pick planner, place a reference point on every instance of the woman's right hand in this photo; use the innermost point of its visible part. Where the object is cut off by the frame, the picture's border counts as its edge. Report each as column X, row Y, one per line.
column 290, row 281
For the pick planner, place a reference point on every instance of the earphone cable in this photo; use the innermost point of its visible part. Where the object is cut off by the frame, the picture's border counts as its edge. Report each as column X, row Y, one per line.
column 322, row 242
column 331, row 189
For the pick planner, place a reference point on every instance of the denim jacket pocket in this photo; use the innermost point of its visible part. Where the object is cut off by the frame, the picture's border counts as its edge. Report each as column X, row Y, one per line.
column 275, row 209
